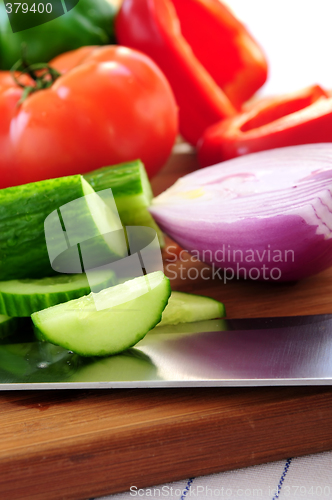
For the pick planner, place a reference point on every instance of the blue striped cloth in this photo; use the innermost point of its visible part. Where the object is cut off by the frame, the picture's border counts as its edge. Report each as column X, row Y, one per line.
column 308, row 478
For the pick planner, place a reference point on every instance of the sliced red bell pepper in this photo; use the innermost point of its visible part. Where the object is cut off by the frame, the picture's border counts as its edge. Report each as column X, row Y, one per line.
column 211, row 61
column 301, row 117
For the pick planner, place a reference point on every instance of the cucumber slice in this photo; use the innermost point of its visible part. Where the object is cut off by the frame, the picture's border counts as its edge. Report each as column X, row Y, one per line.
column 131, row 190
column 84, row 233
column 186, row 308
column 209, row 325
column 24, row 297
column 23, row 210
column 107, row 322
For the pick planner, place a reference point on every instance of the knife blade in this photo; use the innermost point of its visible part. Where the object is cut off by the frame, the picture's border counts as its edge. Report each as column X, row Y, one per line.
column 241, row 352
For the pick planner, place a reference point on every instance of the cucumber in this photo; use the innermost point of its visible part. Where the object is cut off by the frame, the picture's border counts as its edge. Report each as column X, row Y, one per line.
column 131, row 190
column 141, row 217
column 23, row 297
column 23, row 210
column 14, row 330
column 186, row 308
column 210, row 325
column 128, row 366
column 7, row 326
column 127, row 181
column 36, row 362
column 107, row 322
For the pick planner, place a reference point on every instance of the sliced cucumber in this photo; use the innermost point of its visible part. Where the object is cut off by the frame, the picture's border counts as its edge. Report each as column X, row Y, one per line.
column 107, row 322
column 24, row 297
column 141, row 217
column 131, row 190
column 7, row 326
column 187, row 308
column 84, row 234
column 127, row 180
column 23, row 210
column 209, row 325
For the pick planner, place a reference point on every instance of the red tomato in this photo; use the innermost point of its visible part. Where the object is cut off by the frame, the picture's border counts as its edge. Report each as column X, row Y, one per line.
column 111, row 105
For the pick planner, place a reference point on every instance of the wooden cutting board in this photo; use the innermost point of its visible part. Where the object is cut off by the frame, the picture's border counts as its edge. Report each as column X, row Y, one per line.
column 81, row 444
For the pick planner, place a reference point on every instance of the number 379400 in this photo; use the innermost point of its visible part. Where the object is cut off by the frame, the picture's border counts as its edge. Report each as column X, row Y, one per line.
column 14, row 8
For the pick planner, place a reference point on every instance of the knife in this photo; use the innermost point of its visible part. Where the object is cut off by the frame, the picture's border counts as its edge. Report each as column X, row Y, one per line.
column 240, row 352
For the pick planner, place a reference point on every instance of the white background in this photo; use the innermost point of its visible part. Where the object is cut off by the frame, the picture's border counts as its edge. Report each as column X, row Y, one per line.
column 296, row 36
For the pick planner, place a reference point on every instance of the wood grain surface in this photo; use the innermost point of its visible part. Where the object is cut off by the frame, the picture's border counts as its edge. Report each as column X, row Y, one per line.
column 81, row 444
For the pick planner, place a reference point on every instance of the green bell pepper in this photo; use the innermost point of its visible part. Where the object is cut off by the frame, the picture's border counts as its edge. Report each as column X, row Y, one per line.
column 90, row 22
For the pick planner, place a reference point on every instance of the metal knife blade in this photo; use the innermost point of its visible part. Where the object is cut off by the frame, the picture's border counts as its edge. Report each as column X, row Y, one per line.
column 245, row 352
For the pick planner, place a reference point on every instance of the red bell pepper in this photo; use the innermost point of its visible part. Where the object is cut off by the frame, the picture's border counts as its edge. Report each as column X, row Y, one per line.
column 301, row 117
column 211, row 61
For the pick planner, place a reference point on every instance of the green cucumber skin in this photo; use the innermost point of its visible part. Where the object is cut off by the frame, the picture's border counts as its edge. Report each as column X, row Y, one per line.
column 186, row 308
column 23, row 210
column 125, row 179
column 24, row 304
column 131, row 190
column 96, row 344
column 12, row 307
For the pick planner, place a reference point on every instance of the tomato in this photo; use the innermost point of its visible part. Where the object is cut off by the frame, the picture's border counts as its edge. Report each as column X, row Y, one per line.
column 110, row 105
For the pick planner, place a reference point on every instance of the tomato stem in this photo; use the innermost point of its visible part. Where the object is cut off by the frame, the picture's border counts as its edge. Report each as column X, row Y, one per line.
column 42, row 74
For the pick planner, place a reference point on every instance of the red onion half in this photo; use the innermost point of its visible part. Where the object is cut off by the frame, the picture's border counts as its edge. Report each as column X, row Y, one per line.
column 264, row 216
